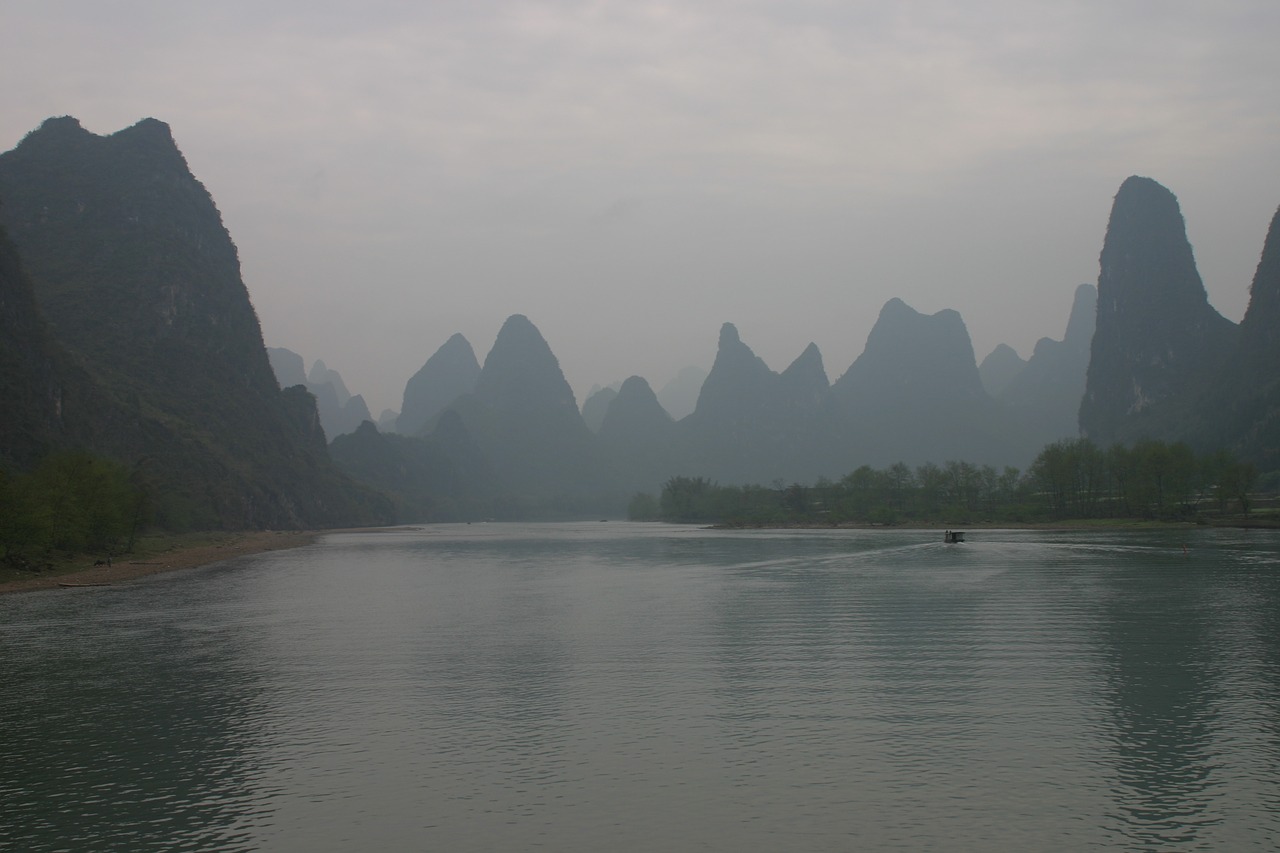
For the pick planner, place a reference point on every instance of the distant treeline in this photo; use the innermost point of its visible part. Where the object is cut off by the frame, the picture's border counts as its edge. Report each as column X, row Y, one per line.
column 1070, row 479
column 73, row 502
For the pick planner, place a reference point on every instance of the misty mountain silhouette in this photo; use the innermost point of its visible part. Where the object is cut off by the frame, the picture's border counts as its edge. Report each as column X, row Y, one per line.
column 449, row 373
column 1157, row 338
column 139, row 281
column 127, row 330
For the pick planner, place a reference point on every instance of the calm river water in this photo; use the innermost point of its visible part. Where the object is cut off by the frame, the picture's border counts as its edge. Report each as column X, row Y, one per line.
column 612, row 686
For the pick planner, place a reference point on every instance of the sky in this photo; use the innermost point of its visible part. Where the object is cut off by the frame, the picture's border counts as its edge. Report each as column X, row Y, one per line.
column 631, row 175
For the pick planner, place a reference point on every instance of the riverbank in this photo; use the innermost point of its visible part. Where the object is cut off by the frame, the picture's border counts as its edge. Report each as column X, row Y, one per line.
column 1259, row 521
column 163, row 554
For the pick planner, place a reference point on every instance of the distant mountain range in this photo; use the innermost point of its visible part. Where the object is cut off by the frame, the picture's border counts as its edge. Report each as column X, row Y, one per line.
column 340, row 411
column 127, row 330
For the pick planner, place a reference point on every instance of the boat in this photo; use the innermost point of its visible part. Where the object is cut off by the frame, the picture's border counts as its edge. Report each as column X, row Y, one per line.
column 951, row 537
column 73, row 583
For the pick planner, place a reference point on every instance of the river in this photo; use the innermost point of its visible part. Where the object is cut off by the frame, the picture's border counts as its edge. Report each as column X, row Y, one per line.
column 613, row 686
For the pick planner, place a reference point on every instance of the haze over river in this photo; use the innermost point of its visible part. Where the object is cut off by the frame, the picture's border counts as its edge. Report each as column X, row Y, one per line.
column 614, row 686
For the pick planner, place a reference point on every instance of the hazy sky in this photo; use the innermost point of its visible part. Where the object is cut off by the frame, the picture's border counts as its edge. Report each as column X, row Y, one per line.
column 630, row 175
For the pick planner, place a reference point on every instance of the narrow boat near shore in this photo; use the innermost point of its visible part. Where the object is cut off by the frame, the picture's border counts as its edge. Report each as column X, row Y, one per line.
column 73, row 584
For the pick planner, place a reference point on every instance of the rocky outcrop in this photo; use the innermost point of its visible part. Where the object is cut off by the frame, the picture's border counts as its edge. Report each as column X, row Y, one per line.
column 1158, row 342
column 1241, row 411
column 139, row 281
column 43, row 396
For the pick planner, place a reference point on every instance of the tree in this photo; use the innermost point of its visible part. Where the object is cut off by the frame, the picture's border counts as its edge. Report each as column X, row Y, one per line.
column 643, row 507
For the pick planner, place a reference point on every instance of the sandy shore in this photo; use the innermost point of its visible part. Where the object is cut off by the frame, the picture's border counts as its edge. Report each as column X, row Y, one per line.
column 224, row 548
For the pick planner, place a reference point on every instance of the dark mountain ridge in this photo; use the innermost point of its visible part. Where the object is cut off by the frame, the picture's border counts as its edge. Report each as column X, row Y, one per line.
column 128, row 329
column 140, row 283
column 1157, row 342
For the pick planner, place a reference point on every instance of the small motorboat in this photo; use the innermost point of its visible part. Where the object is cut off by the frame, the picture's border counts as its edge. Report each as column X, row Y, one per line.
column 951, row 537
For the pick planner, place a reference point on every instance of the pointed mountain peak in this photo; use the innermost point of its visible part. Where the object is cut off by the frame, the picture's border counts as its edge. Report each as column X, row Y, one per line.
column 1263, row 315
column 152, row 128
column 637, row 386
column 729, row 335
column 1156, row 332
column 895, row 307
column 597, row 405
column 1146, row 255
column 1084, row 314
column 458, row 343
column 521, row 370
column 933, row 349
column 518, row 338
column 737, row 375
column 66, row 125
column 807, row 369
column 449, row 373
column 635, row 414
column 999, row 368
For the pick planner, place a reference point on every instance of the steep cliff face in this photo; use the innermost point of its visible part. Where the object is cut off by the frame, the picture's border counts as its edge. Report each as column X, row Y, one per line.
column 138, row 279
column 1259, row 344
column 41, row 391
column 1157, row 338
column 131, row 263
column 1241, row 411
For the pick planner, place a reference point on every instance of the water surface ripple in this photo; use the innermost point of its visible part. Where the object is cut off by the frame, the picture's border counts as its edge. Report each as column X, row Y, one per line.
column 578, row 687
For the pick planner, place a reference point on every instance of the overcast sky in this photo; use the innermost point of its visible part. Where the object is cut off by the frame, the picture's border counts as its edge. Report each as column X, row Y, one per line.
column 630, row 175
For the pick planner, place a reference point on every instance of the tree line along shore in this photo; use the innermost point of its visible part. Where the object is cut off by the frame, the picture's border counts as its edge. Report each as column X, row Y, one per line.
column 81, row 515
column 1072, row 481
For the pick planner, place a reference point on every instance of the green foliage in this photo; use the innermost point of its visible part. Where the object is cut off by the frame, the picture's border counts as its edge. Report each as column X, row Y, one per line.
column 71, row 502
column 643, row 507
column 1070, row 479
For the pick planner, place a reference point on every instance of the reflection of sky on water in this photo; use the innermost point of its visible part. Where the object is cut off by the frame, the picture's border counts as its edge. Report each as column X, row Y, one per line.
column 1183, row 727
column 644, row 687
column 128, row 723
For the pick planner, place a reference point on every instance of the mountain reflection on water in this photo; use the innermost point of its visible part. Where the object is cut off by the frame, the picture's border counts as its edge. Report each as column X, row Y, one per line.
column 636, row 687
